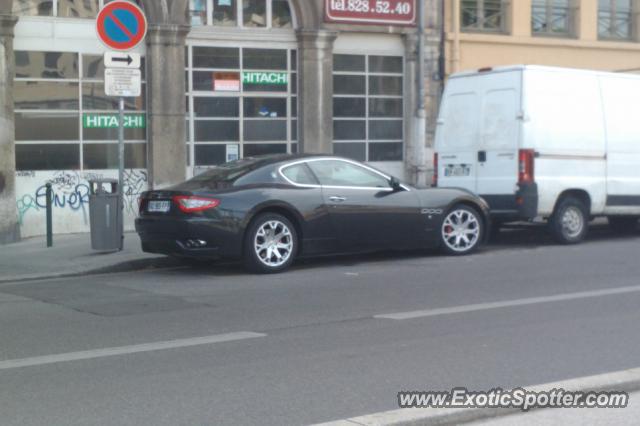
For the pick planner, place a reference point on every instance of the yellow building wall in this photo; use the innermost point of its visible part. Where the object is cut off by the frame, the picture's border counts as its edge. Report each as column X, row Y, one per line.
column 469, row 51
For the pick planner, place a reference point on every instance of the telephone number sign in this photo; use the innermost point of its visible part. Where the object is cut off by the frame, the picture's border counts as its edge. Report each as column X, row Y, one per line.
column 377, row 12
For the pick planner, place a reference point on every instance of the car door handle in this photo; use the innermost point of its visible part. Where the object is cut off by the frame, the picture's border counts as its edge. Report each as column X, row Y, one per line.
column 336, row 199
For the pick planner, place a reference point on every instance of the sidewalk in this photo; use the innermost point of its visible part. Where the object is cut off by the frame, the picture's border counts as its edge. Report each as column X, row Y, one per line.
column 573, row 416
column 71, row 255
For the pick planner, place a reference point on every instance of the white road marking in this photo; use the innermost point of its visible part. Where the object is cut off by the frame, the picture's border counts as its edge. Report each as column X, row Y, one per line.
column 125, row 350
column 509, row 303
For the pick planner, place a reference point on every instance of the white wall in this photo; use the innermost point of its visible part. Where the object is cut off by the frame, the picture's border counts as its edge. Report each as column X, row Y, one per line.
column 70, row 199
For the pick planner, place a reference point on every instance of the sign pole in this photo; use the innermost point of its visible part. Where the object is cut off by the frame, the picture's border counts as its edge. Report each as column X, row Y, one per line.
column 121, row 171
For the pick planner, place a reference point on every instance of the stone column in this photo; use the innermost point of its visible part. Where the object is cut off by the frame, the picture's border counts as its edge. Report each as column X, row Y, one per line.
column 9, row 230
column 315, row 106
column 167, row 149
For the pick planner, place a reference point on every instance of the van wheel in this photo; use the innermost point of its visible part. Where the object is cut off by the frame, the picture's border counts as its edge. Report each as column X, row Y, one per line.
column 462, row 231
column 270, row 245
column 623, row 224
column 569, row 223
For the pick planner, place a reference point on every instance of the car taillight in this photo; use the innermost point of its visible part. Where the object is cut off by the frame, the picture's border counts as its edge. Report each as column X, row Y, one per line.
column 434, row 181
column 526, row 173
column 192, row 204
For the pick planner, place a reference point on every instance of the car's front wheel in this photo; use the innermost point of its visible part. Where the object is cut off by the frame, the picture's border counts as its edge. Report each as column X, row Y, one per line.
column 271, row 244
column 462, row 231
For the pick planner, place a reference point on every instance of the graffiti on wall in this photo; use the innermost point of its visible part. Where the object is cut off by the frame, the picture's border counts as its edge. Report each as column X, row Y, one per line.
column 70, row 195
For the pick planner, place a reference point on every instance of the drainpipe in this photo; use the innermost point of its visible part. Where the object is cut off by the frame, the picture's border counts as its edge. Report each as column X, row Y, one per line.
column 455, row 21
column 421, row 112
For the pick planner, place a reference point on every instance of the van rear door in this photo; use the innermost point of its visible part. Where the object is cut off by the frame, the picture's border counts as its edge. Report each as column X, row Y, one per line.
column 497, row 173
column 457, row 134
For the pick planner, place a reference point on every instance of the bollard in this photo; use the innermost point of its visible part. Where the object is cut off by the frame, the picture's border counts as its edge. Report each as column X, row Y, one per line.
column 49, row 216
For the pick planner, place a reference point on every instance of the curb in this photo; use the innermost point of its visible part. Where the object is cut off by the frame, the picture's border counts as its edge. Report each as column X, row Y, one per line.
column 624, row 381
column 125, row 266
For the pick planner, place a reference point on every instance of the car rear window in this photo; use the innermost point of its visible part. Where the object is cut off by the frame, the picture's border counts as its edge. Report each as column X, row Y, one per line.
column 229, row 172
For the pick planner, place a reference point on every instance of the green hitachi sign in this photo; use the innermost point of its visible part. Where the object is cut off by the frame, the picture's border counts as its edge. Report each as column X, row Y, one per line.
column 110, row 121
column 265, row 78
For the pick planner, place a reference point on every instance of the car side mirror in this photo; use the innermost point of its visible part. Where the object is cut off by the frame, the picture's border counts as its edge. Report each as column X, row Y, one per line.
column 395, row 184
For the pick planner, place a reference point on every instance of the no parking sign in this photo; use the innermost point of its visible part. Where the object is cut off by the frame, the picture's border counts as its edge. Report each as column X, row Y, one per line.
column 121, row 25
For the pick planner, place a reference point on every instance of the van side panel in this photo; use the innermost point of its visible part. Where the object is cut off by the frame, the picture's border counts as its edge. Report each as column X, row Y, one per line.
column 564, row 124
column 621, row 98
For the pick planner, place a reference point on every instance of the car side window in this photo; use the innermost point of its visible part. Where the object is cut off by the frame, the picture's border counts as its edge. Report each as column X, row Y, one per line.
column 300, row 174
column 342, row 173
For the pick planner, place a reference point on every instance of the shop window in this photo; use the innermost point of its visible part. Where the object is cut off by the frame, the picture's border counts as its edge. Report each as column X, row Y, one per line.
column 105, row 156
column 368, row 107
column 225, row 13
column 216, row 57
column 33, row 7
column 615, row 19
column 244, row 13
column 65, row 8
column 264, row 59
column 111, row 134
column 78, row 8
column 385, row 151
column 281, row 14
column 254, row 13
column 240, row 97
column 48, row 157
column 355, row 151
column 349, row 107
column 46, row 95
column 47, row 126
column 349, row 84
column 198, row 12
column 217, row 131
column 216, row 107
column 483, row 15
column 254, row 149
column 265, row 130
column 210, row 155
column 49, row 65
column 53, row 100
column 349, row 63
column 552, row 17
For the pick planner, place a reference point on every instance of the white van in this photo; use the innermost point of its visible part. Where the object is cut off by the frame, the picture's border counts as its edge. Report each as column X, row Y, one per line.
column 540, row 142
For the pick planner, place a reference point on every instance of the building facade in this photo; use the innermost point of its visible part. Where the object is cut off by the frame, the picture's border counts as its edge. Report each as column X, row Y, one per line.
column 589, row 34
column 223, row 79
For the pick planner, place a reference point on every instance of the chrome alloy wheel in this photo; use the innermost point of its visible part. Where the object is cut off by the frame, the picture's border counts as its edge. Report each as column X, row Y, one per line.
column 273, row 243
column 461, row 230
column 572, row 222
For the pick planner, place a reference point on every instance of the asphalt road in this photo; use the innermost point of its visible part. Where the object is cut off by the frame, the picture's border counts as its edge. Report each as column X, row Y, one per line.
column 213, row 345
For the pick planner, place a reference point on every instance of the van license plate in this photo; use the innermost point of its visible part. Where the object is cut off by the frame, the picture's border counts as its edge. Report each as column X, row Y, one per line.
column 457, row 170
column 159, row 206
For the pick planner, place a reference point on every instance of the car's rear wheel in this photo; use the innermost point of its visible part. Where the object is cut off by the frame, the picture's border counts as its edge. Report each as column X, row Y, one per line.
column 623, row 224
column 462, row 231
column 270, row 245
column 569, row 223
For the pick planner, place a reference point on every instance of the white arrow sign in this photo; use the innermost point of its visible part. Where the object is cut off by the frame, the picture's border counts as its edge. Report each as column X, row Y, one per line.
column 122, row 60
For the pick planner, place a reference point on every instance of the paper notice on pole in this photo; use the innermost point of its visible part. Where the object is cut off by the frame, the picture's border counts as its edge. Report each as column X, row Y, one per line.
column 122, row 82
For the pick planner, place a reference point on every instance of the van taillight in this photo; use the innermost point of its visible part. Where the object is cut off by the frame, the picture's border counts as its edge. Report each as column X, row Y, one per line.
column 526, row 173
column 434, row 181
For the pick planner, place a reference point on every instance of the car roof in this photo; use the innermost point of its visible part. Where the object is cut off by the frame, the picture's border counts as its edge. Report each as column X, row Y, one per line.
column 284, row 158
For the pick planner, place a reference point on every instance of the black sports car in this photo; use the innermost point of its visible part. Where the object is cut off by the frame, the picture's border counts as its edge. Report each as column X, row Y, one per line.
column 270, row 210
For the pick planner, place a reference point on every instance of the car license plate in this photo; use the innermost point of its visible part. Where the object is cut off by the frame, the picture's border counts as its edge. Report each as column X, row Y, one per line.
column 159, row 206
column 457, row 170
